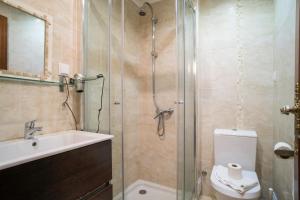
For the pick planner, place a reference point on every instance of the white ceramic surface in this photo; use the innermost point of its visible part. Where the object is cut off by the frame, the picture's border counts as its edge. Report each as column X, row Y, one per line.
column 235, row 146
column 223, row 192
column 153, row 192
column 16, row 152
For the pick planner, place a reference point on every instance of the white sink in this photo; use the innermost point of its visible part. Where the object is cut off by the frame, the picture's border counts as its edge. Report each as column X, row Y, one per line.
column 16, row 152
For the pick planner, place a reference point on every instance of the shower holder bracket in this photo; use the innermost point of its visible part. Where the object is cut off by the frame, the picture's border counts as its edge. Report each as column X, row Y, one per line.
column 154, row 54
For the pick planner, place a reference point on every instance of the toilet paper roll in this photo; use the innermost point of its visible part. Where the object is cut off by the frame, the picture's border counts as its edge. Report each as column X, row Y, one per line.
column 282, row 146
column 283, row 150
column 234, row 170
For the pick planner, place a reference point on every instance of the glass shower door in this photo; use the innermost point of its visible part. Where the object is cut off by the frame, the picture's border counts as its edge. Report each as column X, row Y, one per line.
column 186, row 17
column 103, row 55
column 96, row 61
column 285, row 57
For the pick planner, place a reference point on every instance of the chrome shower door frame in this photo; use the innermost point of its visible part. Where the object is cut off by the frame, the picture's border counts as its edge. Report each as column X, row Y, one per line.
column 187, row 171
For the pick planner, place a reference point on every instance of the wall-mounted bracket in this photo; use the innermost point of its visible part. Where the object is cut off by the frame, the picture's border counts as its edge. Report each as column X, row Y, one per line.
column 294, row 109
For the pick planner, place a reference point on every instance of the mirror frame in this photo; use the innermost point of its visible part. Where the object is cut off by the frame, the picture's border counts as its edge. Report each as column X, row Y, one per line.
column 47, row 75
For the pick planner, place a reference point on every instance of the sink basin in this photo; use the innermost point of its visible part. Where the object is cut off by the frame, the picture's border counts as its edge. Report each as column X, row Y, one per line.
column 16, row 152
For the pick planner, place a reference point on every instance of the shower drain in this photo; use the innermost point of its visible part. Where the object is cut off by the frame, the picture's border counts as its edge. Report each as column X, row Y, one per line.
column 142, row 192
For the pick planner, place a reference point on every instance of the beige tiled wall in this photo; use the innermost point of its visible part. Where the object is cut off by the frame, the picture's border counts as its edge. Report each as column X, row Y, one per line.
column 146, row 156
column 158, row 158
column 284, row 65
column 22, row 102
column 235, row 77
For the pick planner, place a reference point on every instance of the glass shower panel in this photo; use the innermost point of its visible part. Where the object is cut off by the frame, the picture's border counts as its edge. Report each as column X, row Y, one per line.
column 103, row 55
column 96, row 58
column 116, row 95
column 187, row 100
column 150, row 159
column 131, row 94
column 284, row 68
column 180, row 98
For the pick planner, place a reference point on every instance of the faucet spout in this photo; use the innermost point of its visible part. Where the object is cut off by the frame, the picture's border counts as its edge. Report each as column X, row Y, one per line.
column 30, row 130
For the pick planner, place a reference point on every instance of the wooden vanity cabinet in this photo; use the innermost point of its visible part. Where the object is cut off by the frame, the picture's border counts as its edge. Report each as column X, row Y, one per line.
column 83, row 173
column 102, row 194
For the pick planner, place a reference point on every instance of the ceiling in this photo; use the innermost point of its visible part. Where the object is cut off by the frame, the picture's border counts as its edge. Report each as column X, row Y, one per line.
column 140, row 2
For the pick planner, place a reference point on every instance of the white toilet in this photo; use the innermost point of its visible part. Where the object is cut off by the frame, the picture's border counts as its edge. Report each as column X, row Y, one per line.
column 235, row 146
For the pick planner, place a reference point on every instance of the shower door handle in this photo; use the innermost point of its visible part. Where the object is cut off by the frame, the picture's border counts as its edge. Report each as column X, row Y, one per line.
column 179, row 102
column 117, row 103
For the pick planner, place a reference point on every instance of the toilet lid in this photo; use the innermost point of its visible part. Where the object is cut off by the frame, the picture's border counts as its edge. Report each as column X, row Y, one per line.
column 220, row 187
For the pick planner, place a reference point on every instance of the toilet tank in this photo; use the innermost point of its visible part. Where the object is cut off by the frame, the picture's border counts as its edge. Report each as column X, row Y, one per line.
column 235, row 146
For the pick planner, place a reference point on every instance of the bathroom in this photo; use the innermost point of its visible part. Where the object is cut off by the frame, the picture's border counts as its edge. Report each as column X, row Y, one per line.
column 149, row 99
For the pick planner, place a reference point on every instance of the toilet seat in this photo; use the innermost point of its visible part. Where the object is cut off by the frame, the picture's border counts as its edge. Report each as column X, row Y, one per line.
column 220, row 187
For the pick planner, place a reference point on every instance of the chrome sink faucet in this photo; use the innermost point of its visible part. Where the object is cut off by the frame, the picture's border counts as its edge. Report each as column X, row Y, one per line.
column 30, row 130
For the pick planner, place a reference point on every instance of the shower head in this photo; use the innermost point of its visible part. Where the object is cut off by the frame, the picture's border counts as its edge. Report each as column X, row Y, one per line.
column 142, row 11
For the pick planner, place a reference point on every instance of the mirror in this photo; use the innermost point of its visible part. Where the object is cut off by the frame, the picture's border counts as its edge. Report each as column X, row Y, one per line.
column 24, row 41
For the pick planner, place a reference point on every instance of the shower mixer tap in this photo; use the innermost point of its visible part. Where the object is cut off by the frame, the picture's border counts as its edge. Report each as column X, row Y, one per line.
column 162, row 112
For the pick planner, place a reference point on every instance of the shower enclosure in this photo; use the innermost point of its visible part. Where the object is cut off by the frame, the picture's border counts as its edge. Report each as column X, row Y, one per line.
column 147, row 57
column 187, row 139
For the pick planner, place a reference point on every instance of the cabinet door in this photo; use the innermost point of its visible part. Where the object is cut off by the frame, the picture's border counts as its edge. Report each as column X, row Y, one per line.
column 66, row 176
column 105, row 194
column 3, row 42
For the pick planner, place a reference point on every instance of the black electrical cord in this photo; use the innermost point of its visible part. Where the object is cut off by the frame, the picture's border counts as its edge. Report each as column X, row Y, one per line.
column 101, row 104
column 66, row 103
